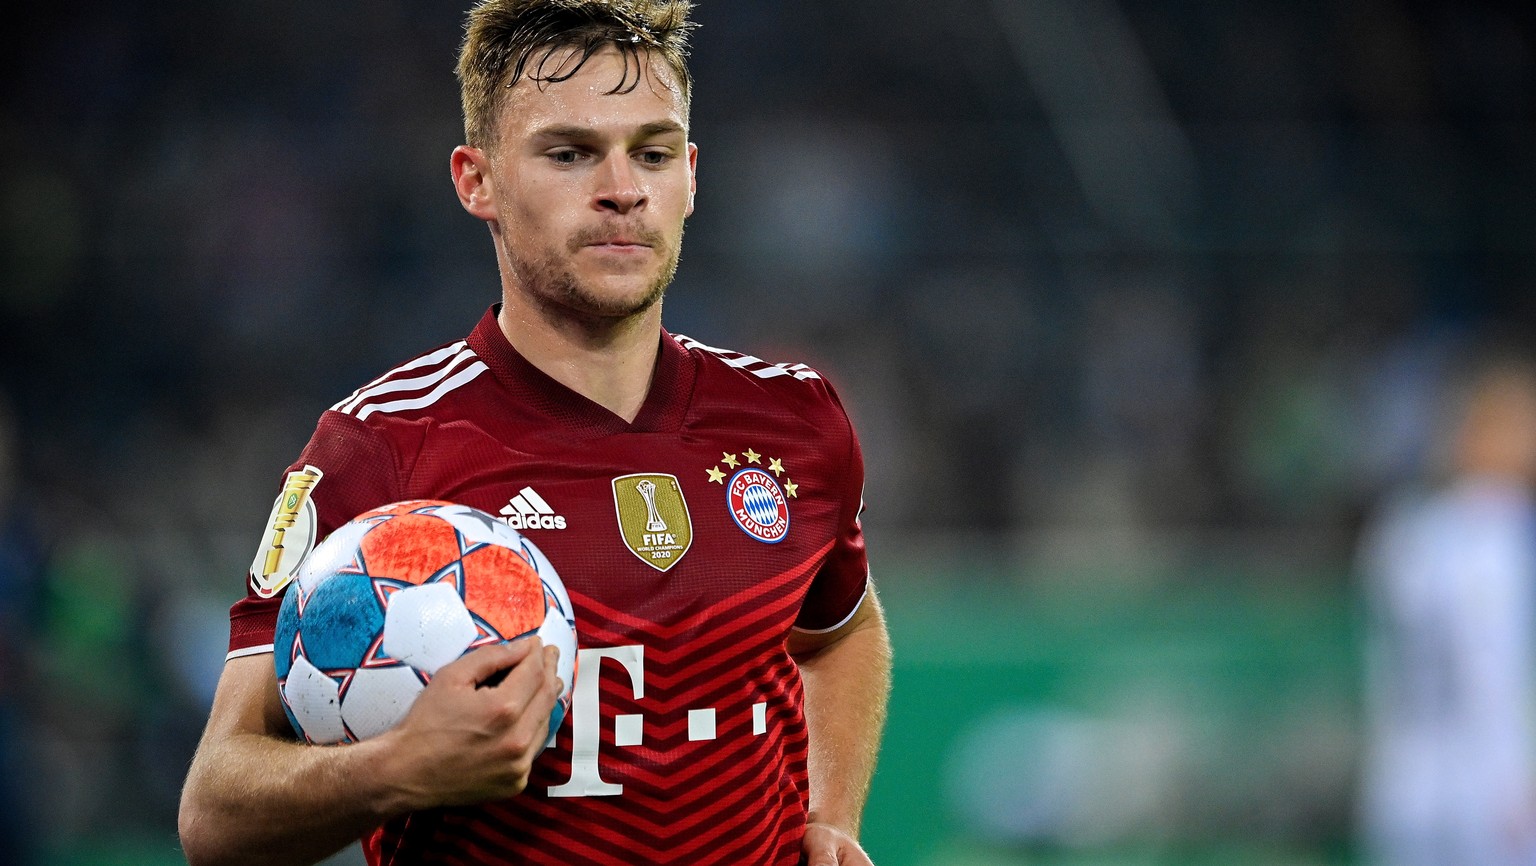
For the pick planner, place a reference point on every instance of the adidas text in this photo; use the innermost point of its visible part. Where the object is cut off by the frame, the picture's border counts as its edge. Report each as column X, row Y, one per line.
column 535, row 521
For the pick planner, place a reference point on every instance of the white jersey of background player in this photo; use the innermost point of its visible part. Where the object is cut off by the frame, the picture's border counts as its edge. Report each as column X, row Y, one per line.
column 1451, row 576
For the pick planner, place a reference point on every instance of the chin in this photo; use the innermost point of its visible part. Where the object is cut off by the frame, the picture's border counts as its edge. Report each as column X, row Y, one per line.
column 613, row 301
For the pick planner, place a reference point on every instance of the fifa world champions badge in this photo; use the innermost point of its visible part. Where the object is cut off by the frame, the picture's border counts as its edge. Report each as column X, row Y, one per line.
column 653, row 518
column 290, row 534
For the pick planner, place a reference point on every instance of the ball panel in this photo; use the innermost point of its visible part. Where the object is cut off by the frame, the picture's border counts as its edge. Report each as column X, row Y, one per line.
column 313, row 699
column 501, row 587
column 556, row 631
column 287, row 633
column 336, row 555
column 340, row 622
column 427, row 626
column 378, row 698
column 550, row 577
column 409, row 547
column 408, row 506
column 478, row 527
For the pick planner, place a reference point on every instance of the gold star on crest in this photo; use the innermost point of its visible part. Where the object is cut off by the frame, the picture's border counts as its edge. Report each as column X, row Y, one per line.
column 790, row 487
column 715, row 475
column 730, row 460
column 752, row 456
column 776, row 466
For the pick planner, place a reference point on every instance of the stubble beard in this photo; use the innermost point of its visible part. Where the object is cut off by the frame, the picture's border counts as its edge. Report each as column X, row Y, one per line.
column 548, row 279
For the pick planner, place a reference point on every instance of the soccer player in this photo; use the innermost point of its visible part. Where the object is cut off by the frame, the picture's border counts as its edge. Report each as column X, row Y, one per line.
column 701, row 505
column 1449, row 770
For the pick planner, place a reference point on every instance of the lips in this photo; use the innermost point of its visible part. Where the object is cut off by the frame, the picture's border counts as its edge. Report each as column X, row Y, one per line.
column 615, row 237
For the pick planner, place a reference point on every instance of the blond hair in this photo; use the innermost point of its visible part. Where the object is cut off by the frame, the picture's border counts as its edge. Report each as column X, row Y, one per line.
column 502, row 36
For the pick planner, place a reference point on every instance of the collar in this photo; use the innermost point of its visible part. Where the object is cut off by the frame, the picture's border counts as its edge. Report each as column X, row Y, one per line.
column 665, row 404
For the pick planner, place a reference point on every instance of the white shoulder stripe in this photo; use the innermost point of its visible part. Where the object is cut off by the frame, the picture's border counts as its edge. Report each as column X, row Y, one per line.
column 751, row 364
column 425, row 360
column 464, row 375
column 413, row 383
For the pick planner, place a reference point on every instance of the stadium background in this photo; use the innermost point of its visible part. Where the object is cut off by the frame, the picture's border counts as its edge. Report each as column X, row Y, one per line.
column 1139, row 307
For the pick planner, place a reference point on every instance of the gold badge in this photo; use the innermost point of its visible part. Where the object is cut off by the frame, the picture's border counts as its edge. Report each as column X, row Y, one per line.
column 290, row 534
column 653, row 518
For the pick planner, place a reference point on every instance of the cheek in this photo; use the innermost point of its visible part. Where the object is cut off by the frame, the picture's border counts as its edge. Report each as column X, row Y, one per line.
column 540, row 210
column 673, row 198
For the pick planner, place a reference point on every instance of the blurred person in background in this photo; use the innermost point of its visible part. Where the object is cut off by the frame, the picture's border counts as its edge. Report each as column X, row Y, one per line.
column 578, row 160
column 1450, row 577
column 21, row 570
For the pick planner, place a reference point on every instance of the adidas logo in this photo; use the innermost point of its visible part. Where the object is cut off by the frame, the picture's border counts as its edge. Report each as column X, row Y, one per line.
column 528, row 510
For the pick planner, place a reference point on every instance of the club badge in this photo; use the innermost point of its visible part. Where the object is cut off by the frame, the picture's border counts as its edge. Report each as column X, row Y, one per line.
column 290, row 534
column 758, row 504
column 653, row 518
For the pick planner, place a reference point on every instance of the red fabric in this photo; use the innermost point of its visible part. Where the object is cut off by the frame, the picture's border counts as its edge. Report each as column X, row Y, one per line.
column 713, row 626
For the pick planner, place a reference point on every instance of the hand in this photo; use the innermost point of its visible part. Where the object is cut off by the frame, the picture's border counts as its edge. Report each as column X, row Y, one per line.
column 474, row 731
column 826, row 845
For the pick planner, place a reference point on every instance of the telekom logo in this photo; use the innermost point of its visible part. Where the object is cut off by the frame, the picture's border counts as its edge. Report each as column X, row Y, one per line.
column 628, row 729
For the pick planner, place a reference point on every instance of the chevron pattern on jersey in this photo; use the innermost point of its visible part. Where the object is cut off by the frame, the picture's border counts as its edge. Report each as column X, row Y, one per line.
column 734, row 799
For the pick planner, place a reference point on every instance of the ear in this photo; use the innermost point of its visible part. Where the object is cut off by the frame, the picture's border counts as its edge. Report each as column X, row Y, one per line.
column 693, row 175
column 472, row 181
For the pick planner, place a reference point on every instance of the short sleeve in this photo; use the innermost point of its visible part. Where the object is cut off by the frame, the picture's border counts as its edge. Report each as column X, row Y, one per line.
column 843, row 579
column 347, row 468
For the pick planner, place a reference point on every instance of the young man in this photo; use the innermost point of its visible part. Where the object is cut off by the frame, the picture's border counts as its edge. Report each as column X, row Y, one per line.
column 700, row 505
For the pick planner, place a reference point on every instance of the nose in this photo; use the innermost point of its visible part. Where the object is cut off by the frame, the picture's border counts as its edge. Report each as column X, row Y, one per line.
column 618, row 189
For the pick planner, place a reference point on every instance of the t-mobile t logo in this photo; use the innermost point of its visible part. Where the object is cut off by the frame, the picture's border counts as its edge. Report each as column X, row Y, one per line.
column 628, row 729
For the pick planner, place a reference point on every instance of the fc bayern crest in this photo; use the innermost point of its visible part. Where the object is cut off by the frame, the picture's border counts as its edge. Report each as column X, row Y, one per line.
column 757, row 503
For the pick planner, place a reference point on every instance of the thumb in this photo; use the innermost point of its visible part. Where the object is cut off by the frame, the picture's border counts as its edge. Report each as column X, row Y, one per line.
column 822, row 856
column 821, row 853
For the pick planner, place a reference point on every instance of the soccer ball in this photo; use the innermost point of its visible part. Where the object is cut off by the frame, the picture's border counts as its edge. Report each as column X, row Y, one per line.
column 397, row 593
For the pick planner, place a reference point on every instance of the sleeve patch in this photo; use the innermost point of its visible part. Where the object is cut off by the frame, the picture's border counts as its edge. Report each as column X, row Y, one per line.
column 290, row 534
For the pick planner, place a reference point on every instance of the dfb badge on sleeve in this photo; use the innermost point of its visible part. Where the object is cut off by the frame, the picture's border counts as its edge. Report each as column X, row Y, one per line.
column 290, row 534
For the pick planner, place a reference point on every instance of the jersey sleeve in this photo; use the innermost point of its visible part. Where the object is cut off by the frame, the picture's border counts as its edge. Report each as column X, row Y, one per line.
column 840, row 585
column 347, row 468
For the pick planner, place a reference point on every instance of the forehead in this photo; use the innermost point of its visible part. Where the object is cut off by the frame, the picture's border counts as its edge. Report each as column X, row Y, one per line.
column 611, row 88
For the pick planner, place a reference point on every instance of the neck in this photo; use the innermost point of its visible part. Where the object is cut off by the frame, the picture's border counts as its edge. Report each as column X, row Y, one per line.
column 608, row 361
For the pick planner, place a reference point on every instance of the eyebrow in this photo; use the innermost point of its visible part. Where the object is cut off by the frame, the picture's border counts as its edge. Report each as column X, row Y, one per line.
column 572, row 132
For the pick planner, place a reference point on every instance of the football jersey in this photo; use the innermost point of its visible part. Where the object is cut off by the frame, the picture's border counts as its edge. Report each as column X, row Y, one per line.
column 692, row 541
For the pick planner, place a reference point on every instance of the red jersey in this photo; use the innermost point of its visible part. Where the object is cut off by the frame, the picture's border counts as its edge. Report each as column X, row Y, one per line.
column 691, row 541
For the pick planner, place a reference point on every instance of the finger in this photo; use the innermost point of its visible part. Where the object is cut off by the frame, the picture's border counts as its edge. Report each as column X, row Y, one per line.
column 486, row 663
column 533, row 724
column 522, row 681
column 552, row 656
column 552, row 667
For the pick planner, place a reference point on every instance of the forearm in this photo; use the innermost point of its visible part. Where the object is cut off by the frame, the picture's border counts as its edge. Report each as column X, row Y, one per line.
column 470, row 736
column 254, row 795
column 847, row 687
column 255, row 799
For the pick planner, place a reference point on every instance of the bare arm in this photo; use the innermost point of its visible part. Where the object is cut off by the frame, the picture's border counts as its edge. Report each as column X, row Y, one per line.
column 847, row 676
column 255, row 795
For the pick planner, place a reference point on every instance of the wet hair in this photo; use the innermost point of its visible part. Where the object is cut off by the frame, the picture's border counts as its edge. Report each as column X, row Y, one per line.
column 504, row 40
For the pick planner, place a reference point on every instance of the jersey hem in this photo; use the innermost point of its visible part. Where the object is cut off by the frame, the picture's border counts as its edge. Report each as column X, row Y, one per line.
column 249, row 651
column 840, row 623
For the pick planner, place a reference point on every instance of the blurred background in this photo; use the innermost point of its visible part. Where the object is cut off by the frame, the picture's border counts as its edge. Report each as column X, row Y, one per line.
column 1143, row 311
